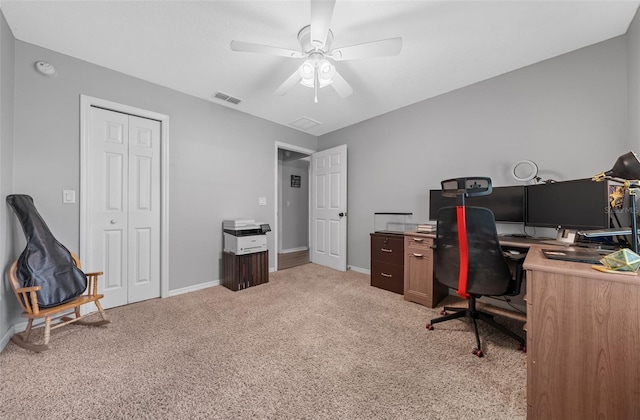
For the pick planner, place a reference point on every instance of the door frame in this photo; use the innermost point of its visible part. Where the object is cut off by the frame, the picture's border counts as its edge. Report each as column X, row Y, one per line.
column 292, row 148
column 86, row 102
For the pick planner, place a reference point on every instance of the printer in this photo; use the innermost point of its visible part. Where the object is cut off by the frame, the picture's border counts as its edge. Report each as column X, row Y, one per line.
column 245, row 236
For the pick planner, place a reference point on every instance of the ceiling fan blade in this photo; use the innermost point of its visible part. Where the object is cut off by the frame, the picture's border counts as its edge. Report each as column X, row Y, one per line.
column 383, row 48
column 264, row 49
column 341, row 86
column 288, row 84
column 321, row 12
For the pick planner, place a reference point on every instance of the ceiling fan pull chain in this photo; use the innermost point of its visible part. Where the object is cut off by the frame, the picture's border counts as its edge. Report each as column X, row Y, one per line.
column 316, row 81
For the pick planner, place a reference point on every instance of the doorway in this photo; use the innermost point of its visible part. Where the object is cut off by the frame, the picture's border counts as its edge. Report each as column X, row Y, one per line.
column 292, row 208
column 327, row 221
column 123, row 200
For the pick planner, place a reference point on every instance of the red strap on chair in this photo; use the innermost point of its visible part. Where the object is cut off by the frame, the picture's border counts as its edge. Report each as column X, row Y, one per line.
column 464, row 252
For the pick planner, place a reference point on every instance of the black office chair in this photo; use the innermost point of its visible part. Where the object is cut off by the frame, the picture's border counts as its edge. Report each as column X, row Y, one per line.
column 468, row 256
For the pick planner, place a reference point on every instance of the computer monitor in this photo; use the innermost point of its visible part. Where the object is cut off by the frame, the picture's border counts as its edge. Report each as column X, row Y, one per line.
column 577, row 204
column 506, row 203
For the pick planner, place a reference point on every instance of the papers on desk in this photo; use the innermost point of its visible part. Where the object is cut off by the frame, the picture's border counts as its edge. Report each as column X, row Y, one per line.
column 590, row 256
column 426, row 228
column 606, row 232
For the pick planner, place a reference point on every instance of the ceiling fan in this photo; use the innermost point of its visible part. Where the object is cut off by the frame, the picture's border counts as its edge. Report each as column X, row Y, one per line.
column 315, row 45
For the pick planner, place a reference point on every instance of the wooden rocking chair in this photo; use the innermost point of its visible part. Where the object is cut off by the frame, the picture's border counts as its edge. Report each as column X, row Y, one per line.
column 28, row 301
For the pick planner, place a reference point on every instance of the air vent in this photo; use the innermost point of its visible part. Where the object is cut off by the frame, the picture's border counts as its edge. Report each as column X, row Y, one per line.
column 227, row 98
column 305, row 123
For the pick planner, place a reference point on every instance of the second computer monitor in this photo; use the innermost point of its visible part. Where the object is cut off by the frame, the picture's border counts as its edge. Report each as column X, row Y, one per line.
column 506, row 203
column 577, row 204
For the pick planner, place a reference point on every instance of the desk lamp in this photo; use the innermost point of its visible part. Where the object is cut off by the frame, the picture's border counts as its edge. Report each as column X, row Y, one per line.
column 626, row 170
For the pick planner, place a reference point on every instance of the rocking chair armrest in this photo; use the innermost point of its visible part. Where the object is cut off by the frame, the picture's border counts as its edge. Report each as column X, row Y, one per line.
column 92, row 282
column 94, row 274
column 29, row 298
column 28, row 289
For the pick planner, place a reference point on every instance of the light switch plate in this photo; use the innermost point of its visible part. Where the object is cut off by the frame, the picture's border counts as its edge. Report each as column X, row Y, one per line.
column 262, row 201
column 68, row 196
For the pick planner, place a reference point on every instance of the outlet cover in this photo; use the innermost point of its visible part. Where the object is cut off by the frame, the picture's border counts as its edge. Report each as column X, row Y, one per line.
column 68, row 196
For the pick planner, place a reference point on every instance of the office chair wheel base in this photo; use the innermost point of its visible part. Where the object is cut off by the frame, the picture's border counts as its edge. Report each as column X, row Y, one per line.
column 443, row 312
column 429, row 327
column 478, row 352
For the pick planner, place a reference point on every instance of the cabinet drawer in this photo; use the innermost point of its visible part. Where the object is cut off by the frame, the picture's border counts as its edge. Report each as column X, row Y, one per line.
column 387, row 248
column 418, row 245
column 387, row 276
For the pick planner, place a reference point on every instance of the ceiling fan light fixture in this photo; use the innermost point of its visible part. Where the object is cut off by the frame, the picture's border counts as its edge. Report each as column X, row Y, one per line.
column 307, row 72
column 326, row 71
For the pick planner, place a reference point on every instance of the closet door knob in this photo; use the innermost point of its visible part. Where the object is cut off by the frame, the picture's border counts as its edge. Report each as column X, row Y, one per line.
column 113, row 222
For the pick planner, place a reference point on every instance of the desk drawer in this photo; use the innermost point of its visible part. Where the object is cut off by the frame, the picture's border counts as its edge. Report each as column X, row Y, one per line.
column 387, row 276
column 387, row 248
column 417, row 245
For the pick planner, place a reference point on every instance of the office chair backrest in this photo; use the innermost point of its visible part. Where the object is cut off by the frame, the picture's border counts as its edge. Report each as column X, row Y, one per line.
column 487, row 272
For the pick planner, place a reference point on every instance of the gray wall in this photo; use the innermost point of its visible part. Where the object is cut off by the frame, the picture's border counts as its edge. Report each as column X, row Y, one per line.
column 568, row 114
column 220, row 160
column 8, row 305
column 295, row 205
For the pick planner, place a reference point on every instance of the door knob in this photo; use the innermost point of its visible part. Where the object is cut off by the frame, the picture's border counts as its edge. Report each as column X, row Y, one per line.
column 113, row 222
column 342, row 214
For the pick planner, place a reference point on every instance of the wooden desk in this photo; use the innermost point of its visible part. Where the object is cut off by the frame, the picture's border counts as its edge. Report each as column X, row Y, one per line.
column 583, row 338
column 583, row 341
column 420, row 285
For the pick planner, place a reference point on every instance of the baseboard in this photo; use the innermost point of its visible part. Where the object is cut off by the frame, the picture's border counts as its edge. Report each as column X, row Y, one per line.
column 194, row 288
column 6, row 337
column 290, row 250
column 358, row 269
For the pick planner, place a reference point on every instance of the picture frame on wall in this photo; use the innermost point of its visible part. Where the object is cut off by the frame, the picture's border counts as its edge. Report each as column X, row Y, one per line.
column 296, row 181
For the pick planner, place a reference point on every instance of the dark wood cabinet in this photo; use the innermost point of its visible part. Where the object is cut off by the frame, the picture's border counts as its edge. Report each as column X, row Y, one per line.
column 387, row 261
column 242, row 271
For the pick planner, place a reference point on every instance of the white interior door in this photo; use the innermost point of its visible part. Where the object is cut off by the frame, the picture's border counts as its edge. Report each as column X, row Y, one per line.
column 124, row 205
column 329, row 208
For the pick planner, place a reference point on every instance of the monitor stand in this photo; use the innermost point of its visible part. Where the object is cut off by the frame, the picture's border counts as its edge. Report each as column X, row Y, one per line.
column 566, row 236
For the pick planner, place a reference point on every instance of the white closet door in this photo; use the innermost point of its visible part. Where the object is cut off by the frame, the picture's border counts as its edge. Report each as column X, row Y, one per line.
column 124, row 213
column 144, row 209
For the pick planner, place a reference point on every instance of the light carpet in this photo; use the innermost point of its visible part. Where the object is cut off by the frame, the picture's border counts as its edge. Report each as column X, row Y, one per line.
column 313, row 343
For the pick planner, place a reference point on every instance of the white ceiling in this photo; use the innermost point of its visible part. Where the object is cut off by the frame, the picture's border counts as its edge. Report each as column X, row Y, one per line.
column 184, row 45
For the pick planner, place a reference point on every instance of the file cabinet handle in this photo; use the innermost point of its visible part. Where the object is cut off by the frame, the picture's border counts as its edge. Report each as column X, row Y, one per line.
column 386, row 250
column 385, row 275
column 418, row 239
column 418, row 255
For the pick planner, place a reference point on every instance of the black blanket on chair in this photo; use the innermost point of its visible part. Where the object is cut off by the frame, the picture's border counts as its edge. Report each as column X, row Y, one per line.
column 45, row 261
